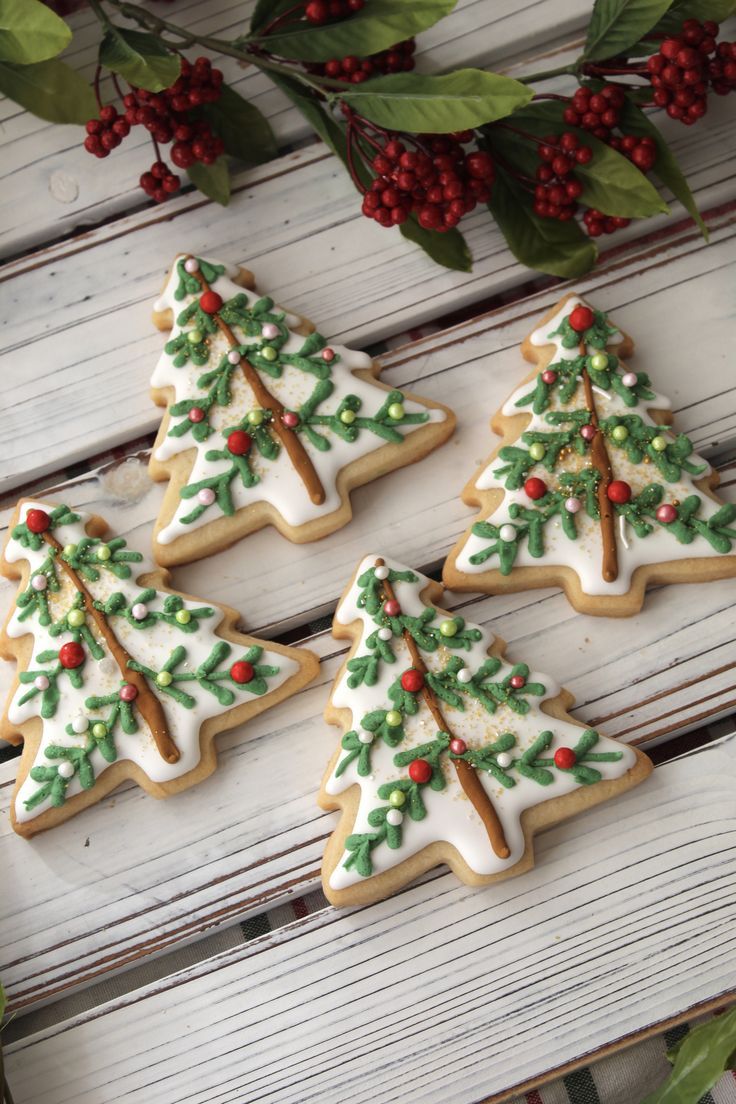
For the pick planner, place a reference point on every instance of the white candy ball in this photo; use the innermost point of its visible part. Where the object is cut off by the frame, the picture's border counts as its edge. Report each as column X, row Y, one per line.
column 394, row 817
column 139, row 611
column 191, row 265
column 365, row 736
column 41, row 682
column 80, row 724
column 206, row 496
column 629, row 379
column 504, row 759
column 381, row 572
column 507, row 532
column 65, row 769
column 385, row 633
column 39, row 582
column 464, row 674
column 234, row 356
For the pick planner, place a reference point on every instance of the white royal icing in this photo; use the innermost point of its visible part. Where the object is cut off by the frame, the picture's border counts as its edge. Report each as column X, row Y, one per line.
column 279, row 484
column 450, row 816
column 151, row 645
column 584, row 555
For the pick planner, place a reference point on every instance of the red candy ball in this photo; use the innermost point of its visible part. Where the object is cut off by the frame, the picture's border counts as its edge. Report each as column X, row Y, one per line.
column 38, row 521
column 239, row 442
column 241, row 671
column 210, row 302
column 565, row 758
column 412, row 680
column 458, row 746
column 391, row 608
column 420, row 771
column 196, row 414
column 618, row 491
column 517, row 681
column 666, row 513
column 581, row 318
column 535, row 488
column 71, row 655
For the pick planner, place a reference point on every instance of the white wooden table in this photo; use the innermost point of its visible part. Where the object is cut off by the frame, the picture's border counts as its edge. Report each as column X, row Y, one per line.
column 443, row 993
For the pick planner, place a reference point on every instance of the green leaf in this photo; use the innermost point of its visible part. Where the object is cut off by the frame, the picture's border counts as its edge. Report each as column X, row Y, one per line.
column 244, row 130
column 618, row 24
column 30, row 32
column 701, row 1059
column 449, row 249
column 461, row 100
column 376, row 27
column 140, row 58
column 559, row 248
column 212, row 180
column 50, row 89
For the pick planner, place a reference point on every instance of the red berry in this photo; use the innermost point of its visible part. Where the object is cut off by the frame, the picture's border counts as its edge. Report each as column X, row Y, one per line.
column 420, row 771
column 412, row 680
column 618, row 491
column 242, row 671
column 581, row 318
column 239, row 442
column 210, row 302
column 71, row 655
column 535, row 488
column 565, row 758
column 38, row 521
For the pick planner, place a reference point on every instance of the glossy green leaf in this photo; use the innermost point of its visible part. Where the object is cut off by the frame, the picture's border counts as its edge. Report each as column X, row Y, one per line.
column 49, row 89
column 449, row 249
column 559, row 248
column 212, row 180
column 437, row 105
column 617, row 24
column 140, row 58
column 702, row 1057
column 377, row 26
column 30, row 32
column 245, row 131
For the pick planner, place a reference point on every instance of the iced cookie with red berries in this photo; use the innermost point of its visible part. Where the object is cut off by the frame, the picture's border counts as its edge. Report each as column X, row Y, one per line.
column 592, row 488
column 267, row 423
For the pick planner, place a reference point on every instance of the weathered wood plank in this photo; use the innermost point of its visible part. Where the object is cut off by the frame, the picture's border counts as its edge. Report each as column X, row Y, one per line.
column 612, row 933
column 77, row 349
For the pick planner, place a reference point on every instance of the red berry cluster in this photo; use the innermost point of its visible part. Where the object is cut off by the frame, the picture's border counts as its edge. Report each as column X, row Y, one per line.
column 167, row 117
column 354, row 70
column 320, row 11
column 556, row 194
column 679, row 72
column 438, row 180
column 597, row 112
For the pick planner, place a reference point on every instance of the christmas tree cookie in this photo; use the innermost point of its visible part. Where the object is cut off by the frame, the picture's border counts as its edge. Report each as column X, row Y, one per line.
column 266, row 422
column 118, row 676
column 451, row 754
column 592, row 488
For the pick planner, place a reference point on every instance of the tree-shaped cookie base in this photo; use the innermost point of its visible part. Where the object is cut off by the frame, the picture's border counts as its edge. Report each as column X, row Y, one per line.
column 592, row 489
column 266, row 423
column 119, row 677
column 452, row 754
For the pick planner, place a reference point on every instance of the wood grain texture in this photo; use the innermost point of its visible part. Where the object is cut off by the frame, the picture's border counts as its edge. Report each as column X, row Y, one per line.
column 504, row 985
column 103, row 347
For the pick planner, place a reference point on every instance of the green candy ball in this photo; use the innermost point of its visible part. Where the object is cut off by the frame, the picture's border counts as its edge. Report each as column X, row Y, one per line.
column 396, row 411
column 599, row 361
column 76, row 618
column 255, row 417
column 164, row 678
column 536, row 451
column 269, row 353
column 397, row 798
column 99, row 730
column 393, row 718
column 448, row 628
column 183, row 616
column 347, row 417
column 659, row 444
column 620, row 433
column 103, row 552
column 194, row 337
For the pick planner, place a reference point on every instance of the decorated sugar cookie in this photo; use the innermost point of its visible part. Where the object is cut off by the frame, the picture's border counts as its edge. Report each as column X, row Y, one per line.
column 267, row 422
column 592, row 489
column 452, row 753
column 119, row 676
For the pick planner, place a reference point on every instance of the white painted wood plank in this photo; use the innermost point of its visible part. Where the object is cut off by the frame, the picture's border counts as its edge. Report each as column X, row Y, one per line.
column 444, row 993
column 50, row 186
column 78, row 352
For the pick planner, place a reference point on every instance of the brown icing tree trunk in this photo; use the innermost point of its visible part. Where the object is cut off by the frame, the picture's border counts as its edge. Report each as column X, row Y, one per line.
column 602, row 463
column 147, row 703
column 466, row 774
column 291, row 442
